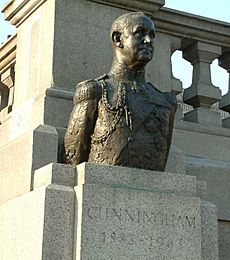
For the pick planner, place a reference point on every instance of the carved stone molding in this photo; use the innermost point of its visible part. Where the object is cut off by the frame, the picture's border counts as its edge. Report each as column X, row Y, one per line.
column 149, row 6
column 16, row 11
column 192, row 27
column 8, row 53
column 185, row 25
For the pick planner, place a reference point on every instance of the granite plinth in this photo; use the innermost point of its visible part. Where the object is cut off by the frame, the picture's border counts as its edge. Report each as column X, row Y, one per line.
column 99, row 212
column 125, row 213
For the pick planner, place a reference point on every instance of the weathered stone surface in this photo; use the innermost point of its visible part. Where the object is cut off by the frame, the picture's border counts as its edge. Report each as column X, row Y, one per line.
column 120, row 223
column 58, row 105
column 201, row 189
column 204, row 115
column 58, row 223
column 121, row 213
column 209, row 231
column 176, row 161
column 202, row 141
column 135, row 178
column 21, row 227
column 120, row 216
column 146, row 6
column 55, row 173
column 45, row 147
column 40, row 224
column 15, row 167
column 216, row 174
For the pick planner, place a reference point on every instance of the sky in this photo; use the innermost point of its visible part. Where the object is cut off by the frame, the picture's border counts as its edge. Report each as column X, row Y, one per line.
column 215, row 9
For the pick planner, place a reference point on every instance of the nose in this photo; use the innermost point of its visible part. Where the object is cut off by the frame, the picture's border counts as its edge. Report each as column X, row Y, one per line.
column 147, row 39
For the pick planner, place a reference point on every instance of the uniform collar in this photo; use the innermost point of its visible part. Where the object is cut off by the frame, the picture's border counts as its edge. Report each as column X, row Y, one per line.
column 123, row 73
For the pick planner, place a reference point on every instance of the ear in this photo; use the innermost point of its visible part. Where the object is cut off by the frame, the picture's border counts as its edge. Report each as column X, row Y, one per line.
column 116, row 38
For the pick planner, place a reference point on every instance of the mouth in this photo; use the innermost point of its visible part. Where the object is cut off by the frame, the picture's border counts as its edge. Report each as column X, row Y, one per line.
column 146, row 50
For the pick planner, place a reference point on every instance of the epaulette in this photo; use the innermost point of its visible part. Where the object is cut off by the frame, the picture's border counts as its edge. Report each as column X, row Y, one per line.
column 87, row 90
column 102, row 77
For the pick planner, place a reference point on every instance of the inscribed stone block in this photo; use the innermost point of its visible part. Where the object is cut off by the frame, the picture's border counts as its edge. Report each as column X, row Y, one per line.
column 126, row 219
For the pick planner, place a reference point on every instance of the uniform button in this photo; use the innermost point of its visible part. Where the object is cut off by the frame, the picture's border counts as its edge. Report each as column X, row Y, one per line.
column 130, row 139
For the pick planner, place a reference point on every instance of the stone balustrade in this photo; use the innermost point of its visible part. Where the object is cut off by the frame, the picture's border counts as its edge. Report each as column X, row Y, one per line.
column 200, row 39
column 202, row 94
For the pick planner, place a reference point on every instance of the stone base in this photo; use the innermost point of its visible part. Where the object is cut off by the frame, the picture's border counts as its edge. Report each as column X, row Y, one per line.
column 125, row 213
column 109, row 212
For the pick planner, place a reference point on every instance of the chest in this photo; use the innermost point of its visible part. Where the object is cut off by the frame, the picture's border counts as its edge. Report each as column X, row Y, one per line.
column 145, row 106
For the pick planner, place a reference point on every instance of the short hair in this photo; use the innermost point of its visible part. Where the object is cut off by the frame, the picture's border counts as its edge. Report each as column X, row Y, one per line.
column 123, row 21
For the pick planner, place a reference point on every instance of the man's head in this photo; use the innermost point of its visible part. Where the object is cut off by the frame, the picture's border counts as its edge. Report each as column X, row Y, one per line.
column 132, row 37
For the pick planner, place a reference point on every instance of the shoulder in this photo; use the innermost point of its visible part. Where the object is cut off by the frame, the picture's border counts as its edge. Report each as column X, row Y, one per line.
column 87, row 90
column 171, row 98
column 168, row 97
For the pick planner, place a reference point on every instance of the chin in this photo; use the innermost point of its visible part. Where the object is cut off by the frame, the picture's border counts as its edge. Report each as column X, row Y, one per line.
column 145, row 59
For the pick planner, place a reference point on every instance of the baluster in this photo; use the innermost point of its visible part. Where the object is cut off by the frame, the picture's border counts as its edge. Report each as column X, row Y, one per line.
column 224, row 62
column 176, row 84
column 202, row 94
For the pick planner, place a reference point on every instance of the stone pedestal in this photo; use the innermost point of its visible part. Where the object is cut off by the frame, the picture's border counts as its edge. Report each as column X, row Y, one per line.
column 125, row 213
column 109, row 213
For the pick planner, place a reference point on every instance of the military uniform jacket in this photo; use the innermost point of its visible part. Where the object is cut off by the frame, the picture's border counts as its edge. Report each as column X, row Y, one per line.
column 120, row 125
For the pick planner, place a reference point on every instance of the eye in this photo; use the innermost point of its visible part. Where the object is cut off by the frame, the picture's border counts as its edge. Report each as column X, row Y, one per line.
column 139, row 32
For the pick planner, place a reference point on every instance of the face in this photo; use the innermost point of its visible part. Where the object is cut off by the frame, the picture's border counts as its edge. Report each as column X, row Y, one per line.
column 137, row 42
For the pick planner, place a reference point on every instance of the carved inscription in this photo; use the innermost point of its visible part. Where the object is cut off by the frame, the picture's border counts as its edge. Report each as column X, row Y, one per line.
column 130, row 239
column 140, row 217
column 154, row 231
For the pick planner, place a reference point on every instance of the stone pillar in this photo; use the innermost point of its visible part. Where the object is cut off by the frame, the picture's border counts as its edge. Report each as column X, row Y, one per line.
column 224, row 62
column 202, row 93
column 176, row 84
column 159, row 71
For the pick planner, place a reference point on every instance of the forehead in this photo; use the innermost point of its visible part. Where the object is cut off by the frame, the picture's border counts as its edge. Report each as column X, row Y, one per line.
column 141, row 21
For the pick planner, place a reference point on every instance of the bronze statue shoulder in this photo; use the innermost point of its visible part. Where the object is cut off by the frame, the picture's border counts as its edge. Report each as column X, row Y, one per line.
column 164, row 98
column 88, row 90
column 171, row 98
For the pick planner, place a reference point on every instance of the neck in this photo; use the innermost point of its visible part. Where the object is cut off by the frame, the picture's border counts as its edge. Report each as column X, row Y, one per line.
column 122, row 72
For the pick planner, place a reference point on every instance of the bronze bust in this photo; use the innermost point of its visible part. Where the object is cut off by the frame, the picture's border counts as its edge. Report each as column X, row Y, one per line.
column 119, row 118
